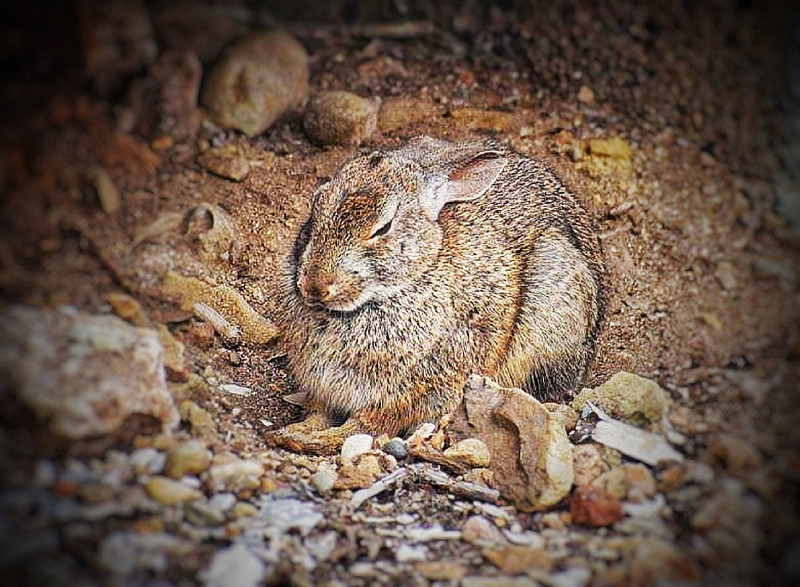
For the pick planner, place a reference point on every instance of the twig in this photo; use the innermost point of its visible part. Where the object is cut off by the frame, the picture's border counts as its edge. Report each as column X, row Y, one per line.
column 379, row 486
column 465, row 489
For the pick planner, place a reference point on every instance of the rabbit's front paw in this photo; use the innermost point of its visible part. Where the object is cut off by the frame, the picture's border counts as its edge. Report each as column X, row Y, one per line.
column 314, row 435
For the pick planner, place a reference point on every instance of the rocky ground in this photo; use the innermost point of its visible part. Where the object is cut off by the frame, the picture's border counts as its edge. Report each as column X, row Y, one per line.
column 156, row 160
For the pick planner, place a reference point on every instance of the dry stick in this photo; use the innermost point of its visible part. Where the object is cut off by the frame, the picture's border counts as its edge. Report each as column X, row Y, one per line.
column 379, row 486
column 465, row 489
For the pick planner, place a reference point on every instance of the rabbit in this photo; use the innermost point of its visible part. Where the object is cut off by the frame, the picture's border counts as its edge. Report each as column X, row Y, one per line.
column 420, row 266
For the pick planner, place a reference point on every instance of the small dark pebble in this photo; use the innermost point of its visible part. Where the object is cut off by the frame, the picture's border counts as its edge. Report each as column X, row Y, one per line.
column 397, row 448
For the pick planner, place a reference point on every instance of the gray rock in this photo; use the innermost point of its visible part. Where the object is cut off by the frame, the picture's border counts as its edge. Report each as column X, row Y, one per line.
column 223, row 502
column 323, row 480
column 235, row 565
column 84, row 374
column 397, row 448
column 124, row 553
column 257, row 80
column 282, row 515
column 148, row 460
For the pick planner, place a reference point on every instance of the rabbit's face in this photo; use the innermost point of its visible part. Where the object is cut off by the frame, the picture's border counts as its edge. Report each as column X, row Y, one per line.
column 367, row 238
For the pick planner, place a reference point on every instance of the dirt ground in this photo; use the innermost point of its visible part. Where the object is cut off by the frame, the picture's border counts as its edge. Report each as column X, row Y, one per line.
column 669, row 119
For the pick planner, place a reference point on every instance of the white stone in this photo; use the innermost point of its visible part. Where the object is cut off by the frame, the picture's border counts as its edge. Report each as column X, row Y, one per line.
column 355, row 446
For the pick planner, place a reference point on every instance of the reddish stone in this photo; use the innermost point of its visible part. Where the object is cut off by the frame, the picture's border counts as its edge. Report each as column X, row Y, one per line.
column 592, row 506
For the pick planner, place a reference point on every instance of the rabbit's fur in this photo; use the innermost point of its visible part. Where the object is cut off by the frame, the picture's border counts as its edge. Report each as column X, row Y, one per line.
column 423, row 265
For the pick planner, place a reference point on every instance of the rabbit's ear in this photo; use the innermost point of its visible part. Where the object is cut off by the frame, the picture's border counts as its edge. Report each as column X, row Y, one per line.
column 465, row 180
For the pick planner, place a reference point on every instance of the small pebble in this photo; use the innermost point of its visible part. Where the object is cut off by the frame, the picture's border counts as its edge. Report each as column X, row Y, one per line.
column 244, row 509
column 323, row 480
column 106, row 189
column 235, row 565
column 187, row 458
column 227, row 162
column 479, row 531
column 407, row 553
column 222, row 501
column 470, row 452
column 397, row 448
column 201, row 514
column 355, row 446
column 170, row 492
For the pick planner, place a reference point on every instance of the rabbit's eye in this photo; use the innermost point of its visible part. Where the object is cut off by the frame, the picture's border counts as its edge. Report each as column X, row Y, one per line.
column 381, row 231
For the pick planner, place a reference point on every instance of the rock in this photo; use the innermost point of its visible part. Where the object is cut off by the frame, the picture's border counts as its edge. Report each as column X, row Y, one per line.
column 730, row 507
column 234, row 474
column 481, row 581
column 727, row 276
column 628, row 397
column 441, row 570
column 738, row 455
column 124, row 553
column 354, row 446
column 258, row 79
column 82, row 373
column 640, row 484
column 568, row 416
column 469, row 452
column 586, row 96
column 105, row 188
column 513, row 559
column 531, row 457
column 223, row 502
column 656, row 562
column 340, row 118
column 480, row 476
column 201, row 514
column 409, row 553
column 235, row 565
column 671, row 477
column 614, row 148
column 176, row 363
column 323, row 480
column 228, row 162
column 169, row 491
column 588, row 463
column 593, row 506
column 368, row 470
column 128, row 308
column 187, row 458
column 244, row 509
column 282, row 515
column 178, row 74
column 397, row 448
column 148, row 461
column 572, row 577
column 117, row 40
column 479, row 531
column 200, row 421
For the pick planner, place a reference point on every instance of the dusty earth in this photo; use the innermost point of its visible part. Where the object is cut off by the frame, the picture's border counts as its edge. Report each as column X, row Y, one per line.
column 677, row 126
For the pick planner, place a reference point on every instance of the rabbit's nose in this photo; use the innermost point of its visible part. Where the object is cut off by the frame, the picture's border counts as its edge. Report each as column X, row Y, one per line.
column 320, row 288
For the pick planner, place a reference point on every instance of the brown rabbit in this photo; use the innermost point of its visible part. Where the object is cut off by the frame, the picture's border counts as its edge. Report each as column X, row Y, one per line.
column 420, row 266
